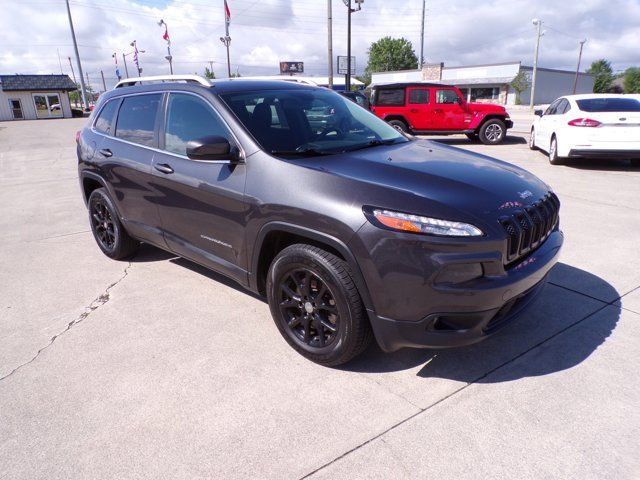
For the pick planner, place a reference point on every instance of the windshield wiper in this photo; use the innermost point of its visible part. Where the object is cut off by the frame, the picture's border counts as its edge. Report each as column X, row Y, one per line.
column 375, row 143
column 305, row 152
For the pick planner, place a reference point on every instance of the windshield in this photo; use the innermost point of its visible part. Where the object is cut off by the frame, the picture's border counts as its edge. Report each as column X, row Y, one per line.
column 609, row 105
column 308, row 122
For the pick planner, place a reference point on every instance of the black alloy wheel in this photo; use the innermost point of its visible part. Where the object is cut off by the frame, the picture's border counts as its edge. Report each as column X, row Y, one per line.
column 103, row 225
column 309, row 308
column 316, row 306
column 108, row 231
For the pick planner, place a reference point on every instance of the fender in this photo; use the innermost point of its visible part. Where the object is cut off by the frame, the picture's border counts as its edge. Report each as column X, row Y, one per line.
column 335, row 243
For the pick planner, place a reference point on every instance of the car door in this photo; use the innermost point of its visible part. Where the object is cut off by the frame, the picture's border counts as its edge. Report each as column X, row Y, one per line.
column 449, row 113
column 545, row 125
column 124, row 154
column 419, row 108
column 201, row 202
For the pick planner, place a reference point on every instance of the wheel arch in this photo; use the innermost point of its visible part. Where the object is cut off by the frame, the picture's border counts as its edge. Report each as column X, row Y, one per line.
column 275, row 236
column 485, row 119
column 89, row 182
column 388, row 118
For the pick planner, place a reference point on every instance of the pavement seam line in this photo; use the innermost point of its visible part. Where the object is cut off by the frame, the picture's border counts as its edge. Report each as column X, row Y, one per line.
column 455, row 392
column 100, row 300
column 583, row 294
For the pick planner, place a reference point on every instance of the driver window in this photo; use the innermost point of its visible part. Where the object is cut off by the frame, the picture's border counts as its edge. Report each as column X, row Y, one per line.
column 189, row 118
column 446, row 96
column 551, row 110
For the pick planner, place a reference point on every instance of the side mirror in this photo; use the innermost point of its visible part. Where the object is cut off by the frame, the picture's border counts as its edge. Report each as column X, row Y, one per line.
column 538, row 113
column 212, row 147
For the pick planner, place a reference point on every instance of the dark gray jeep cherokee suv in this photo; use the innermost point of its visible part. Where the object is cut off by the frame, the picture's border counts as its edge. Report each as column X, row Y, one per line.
column 351, row 229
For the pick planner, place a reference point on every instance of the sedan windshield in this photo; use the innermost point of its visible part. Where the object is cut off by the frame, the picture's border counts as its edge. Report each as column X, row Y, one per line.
column 308, row 122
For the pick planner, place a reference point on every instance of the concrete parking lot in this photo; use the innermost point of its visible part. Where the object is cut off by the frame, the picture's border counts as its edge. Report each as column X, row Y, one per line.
column 157, row 368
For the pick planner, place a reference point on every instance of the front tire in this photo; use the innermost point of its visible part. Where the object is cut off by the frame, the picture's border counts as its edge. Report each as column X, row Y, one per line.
column 553, row 152
column 316, row 305
column 399, row 125
column 493, row 132
column 108, row 232
column 532, row 140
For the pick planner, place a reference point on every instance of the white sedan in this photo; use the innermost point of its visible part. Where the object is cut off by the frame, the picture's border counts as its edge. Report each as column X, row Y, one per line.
column 589, row 126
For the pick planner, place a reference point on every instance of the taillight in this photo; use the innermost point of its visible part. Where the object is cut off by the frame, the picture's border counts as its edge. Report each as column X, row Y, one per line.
column 584, row 122
column 78, row 136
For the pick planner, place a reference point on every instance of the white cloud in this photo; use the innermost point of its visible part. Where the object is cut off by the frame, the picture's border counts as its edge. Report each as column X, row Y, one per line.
column 267, row 31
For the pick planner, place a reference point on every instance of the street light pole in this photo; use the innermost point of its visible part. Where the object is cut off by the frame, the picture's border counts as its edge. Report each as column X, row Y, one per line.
column 169, row 58
column 124, row 60
column 538, row 23
column 347, row 78
column 575, row 80
column 422, row 35
column 75, row 47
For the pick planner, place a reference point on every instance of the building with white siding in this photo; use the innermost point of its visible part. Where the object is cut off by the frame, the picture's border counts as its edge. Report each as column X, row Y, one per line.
column 492, row 82
column 31, row 97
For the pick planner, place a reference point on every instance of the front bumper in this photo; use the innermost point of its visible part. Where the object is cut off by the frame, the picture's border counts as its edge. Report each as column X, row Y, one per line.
column 422, row 314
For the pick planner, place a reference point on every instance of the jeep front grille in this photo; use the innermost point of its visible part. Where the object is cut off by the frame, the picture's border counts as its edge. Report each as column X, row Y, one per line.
column 529, row 227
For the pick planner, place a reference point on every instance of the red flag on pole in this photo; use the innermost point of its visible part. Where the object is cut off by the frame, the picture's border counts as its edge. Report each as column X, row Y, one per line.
column 166, row 35
column 227, row 13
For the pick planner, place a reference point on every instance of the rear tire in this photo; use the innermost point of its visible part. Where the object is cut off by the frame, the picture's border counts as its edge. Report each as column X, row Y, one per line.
column 108, row 231
column 316, row 305
column 399, row 125
column 493, row 132
column 635, row 162
column 553, row 152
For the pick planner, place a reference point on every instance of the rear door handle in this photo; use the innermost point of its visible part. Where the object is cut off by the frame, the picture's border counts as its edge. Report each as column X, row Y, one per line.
column 414, row 110
column 105, row 152
column 163, row 167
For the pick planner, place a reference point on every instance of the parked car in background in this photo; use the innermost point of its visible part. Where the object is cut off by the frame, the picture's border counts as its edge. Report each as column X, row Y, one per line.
column 589, row 126
column 358, row 98
column 435, row 109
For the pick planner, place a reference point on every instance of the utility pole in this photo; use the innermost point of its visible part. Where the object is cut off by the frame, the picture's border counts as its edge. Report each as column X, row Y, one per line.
column 422, row 35
column 575, row 80
column 347, row 78
column 211, row 65
column 330, row 44
column 226, row 40
column 104, row 85
column 75, row 47
column 124, row 60
column 59, row 61
column 538, row 23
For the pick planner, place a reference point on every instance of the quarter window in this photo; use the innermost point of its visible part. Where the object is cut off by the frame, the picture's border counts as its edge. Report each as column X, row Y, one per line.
column 446, row 96
column 189, row 118
column 105, row 120
column 137, row 118
column 393, row 97
column 419, row 95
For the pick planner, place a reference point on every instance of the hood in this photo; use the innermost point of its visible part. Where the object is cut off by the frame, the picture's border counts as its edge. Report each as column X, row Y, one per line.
column 486, row 108
column 427, row 175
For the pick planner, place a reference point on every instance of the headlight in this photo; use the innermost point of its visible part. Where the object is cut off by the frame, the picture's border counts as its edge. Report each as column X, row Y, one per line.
column 405, row 222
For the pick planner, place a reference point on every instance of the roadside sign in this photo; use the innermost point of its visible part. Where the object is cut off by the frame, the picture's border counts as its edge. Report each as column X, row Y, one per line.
column 342, row 65
column 291, row 67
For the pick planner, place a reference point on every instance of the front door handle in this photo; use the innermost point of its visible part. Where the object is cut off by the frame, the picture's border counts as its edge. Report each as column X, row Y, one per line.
column 163, row 167
column 105, row 152
column 414, row 110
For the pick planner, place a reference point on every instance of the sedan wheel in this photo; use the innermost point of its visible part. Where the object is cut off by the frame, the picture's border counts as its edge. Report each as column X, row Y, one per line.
column 553, row 152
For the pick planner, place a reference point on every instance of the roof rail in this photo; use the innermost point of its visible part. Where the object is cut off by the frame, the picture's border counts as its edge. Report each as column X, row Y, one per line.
column 129, row 82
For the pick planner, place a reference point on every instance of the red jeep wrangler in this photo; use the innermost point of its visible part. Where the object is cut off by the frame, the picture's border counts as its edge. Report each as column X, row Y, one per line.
column 436, row 109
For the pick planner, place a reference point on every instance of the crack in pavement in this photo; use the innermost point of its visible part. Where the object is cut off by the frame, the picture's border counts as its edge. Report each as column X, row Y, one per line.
column 455, row 392
column 100, row 300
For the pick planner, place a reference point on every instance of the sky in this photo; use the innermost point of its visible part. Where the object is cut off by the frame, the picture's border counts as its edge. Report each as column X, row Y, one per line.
column 35, row 35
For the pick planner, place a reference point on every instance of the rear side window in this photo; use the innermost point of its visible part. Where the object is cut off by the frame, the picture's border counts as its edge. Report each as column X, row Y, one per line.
column 189, row 118
column 419, row 95
column 105, row 121
column 137, row 118
column 609, row 105
column 393, row 97
column 446, row 96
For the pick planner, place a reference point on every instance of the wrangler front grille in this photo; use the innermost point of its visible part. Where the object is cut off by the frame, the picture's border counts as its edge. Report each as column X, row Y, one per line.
column 529, row 227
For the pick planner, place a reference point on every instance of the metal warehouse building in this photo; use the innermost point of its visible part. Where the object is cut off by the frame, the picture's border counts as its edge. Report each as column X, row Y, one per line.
column 491, row 83
column 32, row 97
